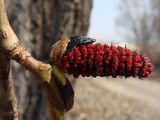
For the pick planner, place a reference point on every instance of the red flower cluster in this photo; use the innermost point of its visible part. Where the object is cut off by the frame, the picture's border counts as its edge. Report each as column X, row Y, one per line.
column 102, row 60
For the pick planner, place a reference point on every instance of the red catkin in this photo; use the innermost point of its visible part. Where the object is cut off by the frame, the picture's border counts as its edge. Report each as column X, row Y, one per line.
column 103, row 60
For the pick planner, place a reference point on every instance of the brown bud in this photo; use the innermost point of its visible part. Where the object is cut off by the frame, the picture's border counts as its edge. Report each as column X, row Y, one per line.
column 58, row 49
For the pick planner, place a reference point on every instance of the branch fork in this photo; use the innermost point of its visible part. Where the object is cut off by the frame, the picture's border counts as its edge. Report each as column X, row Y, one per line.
column 10, row 48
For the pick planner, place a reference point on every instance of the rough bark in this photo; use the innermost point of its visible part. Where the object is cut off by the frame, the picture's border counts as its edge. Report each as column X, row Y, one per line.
column 38, row 25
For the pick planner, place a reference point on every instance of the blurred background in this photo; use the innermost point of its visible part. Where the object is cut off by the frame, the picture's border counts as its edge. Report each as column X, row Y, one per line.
column 134, row 23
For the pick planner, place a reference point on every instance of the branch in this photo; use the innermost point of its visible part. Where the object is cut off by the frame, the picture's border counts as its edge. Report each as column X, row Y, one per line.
column 10, row 46
column 8, row 105
column 40, row 69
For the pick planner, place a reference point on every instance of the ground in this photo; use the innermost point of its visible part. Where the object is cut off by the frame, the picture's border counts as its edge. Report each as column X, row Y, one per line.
column 116, row 99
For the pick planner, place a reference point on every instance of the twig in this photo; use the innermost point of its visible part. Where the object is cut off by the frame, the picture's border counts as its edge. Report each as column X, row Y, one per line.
column 10, row 46
column 8, row 105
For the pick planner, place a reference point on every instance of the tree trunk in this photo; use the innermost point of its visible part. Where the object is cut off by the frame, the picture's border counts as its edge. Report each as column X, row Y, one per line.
column 39, row 24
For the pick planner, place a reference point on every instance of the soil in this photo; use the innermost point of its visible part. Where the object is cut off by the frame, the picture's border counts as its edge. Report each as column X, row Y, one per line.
column 116, row 99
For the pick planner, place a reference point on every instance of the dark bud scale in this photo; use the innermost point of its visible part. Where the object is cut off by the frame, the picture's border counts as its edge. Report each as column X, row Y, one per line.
column 88, row 59
column 76, row 40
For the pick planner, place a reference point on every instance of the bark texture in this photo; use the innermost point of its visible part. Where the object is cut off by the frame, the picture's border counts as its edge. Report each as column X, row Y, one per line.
column 38, row 25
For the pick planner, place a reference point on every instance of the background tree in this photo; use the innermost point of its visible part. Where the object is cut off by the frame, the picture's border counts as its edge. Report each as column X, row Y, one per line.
column 136, row 19
column 140, row 22
column 155, row 5
column 39, row 24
